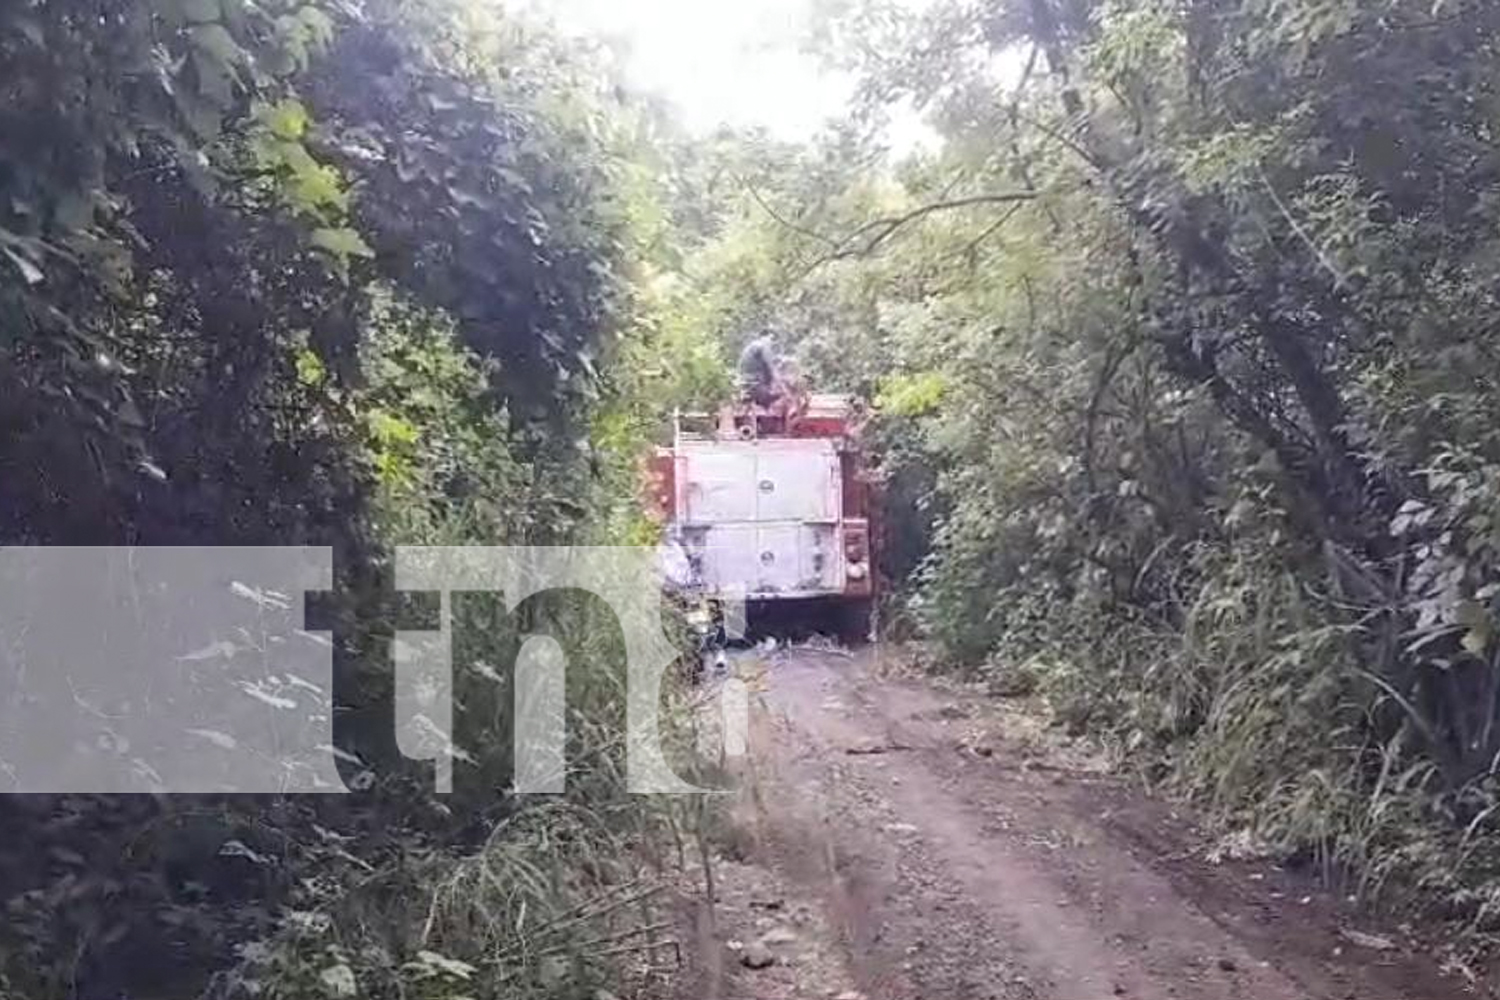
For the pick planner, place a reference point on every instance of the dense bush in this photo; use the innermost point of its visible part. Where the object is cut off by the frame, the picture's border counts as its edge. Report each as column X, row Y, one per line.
column 306, row 273
column 1188, row 327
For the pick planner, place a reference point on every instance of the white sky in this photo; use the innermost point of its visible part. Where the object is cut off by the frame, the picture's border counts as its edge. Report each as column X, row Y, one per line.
column 736, row 62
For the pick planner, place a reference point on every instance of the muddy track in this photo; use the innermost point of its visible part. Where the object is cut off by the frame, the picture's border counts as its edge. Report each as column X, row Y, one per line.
column 931, row 867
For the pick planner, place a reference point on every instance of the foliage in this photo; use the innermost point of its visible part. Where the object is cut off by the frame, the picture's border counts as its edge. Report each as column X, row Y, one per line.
column 286, row 273
column 568, row 881
column 1182, row 340
column 476, row 194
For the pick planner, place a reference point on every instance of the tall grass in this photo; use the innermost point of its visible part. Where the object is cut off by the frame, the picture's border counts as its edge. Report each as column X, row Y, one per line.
column 1251, row 697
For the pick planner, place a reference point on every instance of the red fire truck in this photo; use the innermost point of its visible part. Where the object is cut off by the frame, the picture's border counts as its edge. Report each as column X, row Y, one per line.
column 774, row 506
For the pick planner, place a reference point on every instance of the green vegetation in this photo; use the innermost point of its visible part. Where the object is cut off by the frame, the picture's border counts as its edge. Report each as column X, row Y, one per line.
column 1184, row 338
column 1181, row 336
column 343, row 275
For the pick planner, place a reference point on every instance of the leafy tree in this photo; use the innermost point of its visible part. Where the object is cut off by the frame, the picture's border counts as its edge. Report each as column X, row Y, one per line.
column 1181, row 339
column 310, row 273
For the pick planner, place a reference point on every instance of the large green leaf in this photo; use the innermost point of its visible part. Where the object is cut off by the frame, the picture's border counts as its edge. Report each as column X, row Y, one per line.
column 342, row 242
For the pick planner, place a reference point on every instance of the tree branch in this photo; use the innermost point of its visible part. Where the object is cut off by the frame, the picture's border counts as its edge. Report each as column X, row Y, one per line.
column 1014, row 108
column 972, row 247
column 1340, row 283
column 869, row 237
column 782, row 220
column 1059, row 136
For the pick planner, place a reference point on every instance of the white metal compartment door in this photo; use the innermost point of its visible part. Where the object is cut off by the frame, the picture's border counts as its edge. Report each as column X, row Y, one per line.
column 728, row 556
column 797, row 481
column 779, row 554
column 718, row 484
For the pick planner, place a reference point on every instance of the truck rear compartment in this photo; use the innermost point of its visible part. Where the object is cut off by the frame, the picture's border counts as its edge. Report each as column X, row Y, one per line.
column 763, row 517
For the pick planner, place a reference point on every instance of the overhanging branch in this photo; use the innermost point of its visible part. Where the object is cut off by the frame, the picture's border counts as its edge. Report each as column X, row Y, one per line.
column 873, row 234
column 783, row 220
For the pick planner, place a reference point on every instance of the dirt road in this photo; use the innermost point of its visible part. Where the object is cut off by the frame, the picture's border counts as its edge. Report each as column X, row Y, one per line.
column 898, row 841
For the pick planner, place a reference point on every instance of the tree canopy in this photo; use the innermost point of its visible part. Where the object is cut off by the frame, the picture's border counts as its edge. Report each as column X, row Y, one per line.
column 1181, row 339
column 1180, row 334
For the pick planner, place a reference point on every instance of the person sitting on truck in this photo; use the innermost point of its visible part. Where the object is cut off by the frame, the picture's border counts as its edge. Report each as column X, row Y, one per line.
column 758, row 379
column 791, row 392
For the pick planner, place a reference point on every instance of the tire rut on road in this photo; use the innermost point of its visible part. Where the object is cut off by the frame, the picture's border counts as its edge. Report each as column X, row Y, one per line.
column 947, row 875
